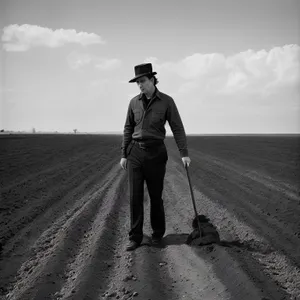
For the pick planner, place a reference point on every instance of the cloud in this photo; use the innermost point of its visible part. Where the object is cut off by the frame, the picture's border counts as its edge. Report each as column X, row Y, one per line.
column 236, row 81
column 244, row 72
column 150, row 59
column 285, row 63
column 188, row 87
column 23, row 37
column 78, row 60
column 107, row 64
column 199, row 65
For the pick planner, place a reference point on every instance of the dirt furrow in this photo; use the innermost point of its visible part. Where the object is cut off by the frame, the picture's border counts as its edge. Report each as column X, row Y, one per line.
column 89, row 271
column 246, row 198
column 235, row 268
column 137, row 274
column 21, row 202
column 289, row 192
column 260, row 254
column 143, row 272
column 45, row 172
column 18, row 248
column 232, row 282
column 27, row 155
column 71, row 245
column 54, row 245
column 264, row 184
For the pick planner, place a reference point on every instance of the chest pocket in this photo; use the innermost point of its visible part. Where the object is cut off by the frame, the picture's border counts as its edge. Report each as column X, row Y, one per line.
column 158, row 117
column 137, row 115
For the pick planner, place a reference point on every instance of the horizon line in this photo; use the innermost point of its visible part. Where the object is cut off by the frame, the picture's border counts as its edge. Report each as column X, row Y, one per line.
column 121, row 133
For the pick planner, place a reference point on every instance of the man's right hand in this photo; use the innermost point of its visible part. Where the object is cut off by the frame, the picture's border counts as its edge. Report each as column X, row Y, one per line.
column 123, row 163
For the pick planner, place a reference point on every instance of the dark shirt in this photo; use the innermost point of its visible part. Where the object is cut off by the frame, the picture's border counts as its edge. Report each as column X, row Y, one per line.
column 148, row 123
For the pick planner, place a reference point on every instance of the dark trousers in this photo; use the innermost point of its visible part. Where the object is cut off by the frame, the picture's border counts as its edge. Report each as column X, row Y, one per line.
column 146, row 165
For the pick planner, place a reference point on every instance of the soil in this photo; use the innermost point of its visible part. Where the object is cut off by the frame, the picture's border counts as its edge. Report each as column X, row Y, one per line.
column 64, row 221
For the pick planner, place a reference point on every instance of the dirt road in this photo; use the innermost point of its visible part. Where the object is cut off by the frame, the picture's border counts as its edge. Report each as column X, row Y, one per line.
column 65, row 215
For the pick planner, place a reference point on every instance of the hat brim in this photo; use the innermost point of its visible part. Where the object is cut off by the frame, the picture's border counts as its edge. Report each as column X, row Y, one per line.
column 141, row 75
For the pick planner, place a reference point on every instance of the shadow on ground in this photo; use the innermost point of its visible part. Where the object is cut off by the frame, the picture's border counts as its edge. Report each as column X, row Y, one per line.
column 180, row 239
column 170, row 239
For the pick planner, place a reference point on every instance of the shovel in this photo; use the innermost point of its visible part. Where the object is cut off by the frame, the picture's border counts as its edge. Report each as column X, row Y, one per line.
column 193, row 199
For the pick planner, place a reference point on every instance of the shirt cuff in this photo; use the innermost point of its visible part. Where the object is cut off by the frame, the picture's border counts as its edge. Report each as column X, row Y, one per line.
column 184, row 153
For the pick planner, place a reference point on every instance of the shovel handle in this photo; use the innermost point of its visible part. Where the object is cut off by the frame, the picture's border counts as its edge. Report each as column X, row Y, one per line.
column 192, row 193
column 193, row 199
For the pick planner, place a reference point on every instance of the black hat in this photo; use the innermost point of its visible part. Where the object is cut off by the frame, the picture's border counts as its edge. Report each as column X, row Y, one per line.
column 142, row 70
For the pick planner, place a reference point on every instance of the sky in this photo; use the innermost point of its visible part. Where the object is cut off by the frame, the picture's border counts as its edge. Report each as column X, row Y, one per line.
column 231, row 66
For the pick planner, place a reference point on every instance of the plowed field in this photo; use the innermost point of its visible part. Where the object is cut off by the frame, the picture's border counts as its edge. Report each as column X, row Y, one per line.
column 64, row 220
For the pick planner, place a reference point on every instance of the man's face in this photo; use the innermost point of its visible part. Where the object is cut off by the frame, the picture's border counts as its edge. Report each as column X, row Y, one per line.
column 145, row 84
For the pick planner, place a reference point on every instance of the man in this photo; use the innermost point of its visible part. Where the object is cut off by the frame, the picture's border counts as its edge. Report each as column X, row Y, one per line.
column 144, row 153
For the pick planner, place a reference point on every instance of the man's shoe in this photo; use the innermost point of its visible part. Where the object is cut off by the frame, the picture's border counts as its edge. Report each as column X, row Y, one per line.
column 132, row 245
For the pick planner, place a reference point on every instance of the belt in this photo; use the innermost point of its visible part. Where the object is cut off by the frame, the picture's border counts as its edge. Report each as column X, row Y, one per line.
column 148, row 144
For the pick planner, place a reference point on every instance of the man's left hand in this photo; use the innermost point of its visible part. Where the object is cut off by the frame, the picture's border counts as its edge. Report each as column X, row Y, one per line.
column 186, row 161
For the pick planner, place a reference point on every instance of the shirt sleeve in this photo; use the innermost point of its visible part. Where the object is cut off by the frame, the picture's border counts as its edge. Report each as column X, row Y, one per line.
column 177, row 128
column 128, row 130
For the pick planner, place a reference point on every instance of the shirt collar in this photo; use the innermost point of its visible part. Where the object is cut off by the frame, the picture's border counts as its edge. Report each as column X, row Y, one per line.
column 155, row 94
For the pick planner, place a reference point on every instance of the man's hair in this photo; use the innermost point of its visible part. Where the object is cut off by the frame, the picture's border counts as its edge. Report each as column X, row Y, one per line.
column 155, row 79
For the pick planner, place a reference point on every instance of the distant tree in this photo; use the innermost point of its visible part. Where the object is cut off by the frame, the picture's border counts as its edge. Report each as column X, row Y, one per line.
column 2, row 130
column 75, row 131
column 33, row 130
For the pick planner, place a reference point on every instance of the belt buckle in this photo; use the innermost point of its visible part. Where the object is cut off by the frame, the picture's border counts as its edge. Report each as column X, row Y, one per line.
column 141, row 145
